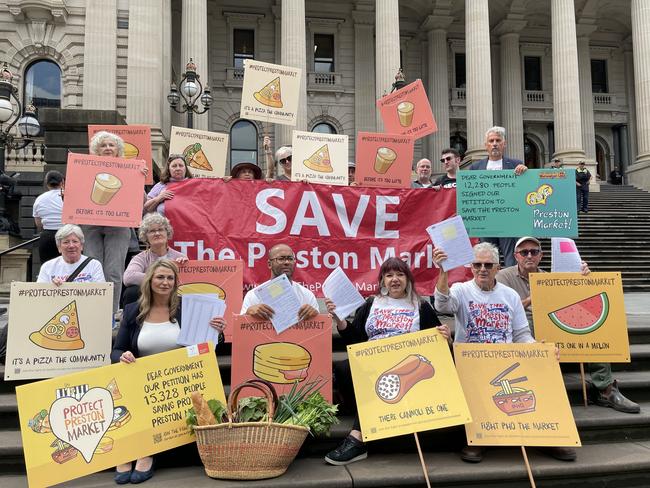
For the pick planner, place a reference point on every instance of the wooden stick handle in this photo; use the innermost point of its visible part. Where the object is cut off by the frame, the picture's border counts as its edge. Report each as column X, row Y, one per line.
column 530, row 472
column 584, row 383
column 424, row 466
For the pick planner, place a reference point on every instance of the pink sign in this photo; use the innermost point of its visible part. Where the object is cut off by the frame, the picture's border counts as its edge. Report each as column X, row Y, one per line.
column 384, row 160
column 568, row 246
column 103, row 191
column 137, row 142
column 408, row 111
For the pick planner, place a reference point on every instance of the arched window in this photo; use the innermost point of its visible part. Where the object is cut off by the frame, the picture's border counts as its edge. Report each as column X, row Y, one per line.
column 324, row 128
column 43, row 84
column 243, row 142
column 531, row 153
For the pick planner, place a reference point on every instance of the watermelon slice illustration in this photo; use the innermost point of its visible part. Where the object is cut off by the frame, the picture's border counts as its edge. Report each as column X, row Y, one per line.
column 584, row 316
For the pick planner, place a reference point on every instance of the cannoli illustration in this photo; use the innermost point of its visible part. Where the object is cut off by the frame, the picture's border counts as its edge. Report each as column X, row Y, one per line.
column 320, row 161
column 393, row 384
column 281, row 362
column 405, row 112
column 201, row 289
column 196, row 158
column 270, row 95
column 105, row 187
column 130, row 151
column 384, row 159
column 63, row 452
column 40, row 423
column 512, row 400
column 61, row 332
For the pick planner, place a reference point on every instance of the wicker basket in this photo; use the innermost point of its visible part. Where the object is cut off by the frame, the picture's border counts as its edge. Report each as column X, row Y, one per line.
column 249, row 450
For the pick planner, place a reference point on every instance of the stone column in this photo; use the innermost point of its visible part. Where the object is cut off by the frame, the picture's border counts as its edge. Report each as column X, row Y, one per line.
column 194, row 44
column 387, row 44
column 641, row 43
column 566, row 90
column 479, row 79
column 100, row 55
column 631, row 101
column 364, row 72
column 624, row 153
column 586, row 94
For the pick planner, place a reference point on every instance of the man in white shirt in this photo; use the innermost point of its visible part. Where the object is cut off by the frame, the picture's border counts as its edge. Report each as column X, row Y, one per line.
column 423, row 169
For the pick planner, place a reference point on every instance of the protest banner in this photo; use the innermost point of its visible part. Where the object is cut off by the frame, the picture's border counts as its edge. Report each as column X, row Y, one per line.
column 302, row 352
column 583, row 315
column 536, row 412
column 320, row 158
column 205, row 152
column 406, row 384
column 384, row 160
column 270, row 92
column 327, row 227
column 81, row 423
column 137, row 143
column 540, row 203
column 407, row 111
column 221, row 278
column 57, row 330
column 103, row 191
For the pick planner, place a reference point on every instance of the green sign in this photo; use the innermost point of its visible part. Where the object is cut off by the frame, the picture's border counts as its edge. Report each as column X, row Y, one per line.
column 540, row 203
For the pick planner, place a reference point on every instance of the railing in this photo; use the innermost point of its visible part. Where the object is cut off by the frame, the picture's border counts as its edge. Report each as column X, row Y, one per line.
column 28, row 159
column 317, row 81
column 20, row 246
column 535, row 96
column 604, row 99
column 458, row 94
column 234, row 76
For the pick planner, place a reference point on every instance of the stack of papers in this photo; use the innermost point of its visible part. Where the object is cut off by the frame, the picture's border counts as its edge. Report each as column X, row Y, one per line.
column 198, row 309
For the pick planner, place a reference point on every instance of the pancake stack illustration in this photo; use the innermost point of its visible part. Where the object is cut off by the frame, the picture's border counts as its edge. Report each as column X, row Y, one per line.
column 130, row 151
column 320, row 161
column 61, row 332
column 281, row 362
column 270, row 95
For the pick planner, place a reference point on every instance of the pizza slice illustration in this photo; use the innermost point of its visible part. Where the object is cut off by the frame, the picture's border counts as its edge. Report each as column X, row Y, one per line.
column 61, row 332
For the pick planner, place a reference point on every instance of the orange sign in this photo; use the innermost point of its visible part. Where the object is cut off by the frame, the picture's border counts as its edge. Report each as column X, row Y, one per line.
column 103, row 191
column 301, row 353
column 408, row 111
column 137, row 142
column 384, row 160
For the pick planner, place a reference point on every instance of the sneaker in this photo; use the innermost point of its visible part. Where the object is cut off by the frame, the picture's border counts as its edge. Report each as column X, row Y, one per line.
column 616, row 400
column 349, row 451
column 472, row 454
column 561, row 453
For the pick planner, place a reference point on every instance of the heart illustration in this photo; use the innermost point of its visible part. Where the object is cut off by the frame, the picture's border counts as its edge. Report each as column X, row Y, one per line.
column 82, row 423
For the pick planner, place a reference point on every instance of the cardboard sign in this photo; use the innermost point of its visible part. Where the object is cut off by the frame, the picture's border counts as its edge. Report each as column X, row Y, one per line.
column 205, row 152
column 408, row 111
column 384, row 160
column 137, row 142
column 320, row 158
column 303, row 352
column 86, row 422
column 583, row 315
column 57, row 330
column 535, row 412
column 406, row 384
column 103, row 191
column 221, row 278
column 270, row 92
column 540, row 203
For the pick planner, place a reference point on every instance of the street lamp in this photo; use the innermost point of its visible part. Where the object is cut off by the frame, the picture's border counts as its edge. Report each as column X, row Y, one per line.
column 191, row 91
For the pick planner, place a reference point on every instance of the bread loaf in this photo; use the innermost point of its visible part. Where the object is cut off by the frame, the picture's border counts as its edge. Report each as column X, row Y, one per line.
column 204, row 415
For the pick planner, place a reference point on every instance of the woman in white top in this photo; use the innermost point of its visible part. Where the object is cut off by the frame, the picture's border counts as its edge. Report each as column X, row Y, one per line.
column 47, row 211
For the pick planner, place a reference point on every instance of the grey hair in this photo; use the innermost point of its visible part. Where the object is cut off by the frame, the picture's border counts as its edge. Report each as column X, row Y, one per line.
column 482, row 247
column 100, row 136
column 149, row 221
column 66, row 230
column 417, row 165
column 500, row 131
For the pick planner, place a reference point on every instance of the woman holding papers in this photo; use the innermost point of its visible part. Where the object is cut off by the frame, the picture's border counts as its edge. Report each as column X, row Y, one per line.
column 151, row 326
column 175, row 169
column 397, row 309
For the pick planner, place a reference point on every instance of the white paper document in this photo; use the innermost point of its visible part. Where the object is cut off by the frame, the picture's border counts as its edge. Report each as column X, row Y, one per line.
column 565, row 257
column 279, row 294
column 338, row 288
column 451, row 236
column 198, row 309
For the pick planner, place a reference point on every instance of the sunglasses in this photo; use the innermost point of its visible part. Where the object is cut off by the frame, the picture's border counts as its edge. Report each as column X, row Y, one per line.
column 487, row 266
column 283, row 259
column 448, row 158
column 527, row 252
column 284, row 160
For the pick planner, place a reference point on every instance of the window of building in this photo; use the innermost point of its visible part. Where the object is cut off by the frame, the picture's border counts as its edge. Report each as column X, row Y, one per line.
column 324, row 128
column 532, row 73
column 599, row 76
column 243, row 46
column 459, row 62
column 43, row 84
column 324, row 53
column 243, row 142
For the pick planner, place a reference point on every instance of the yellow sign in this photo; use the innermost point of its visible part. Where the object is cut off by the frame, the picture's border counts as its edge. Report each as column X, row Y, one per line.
column 406, row 384
column 583, row 315
column 85, row 422
column 516, row 395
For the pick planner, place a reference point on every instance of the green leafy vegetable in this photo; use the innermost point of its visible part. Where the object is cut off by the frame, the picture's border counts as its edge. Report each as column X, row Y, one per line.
column 216, row 407
column 252, row 409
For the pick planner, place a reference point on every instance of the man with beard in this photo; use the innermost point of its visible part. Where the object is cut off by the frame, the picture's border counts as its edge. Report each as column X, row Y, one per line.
column 450, row 158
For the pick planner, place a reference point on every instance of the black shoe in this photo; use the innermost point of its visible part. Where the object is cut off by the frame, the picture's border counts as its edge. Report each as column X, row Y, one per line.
column 561, row 453
column 349, row 451
column 122, row 478
column 472, row 454
column 142, row 476
column 617, row 400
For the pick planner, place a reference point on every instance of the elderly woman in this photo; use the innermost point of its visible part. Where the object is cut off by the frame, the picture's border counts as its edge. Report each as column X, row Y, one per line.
column 70, row 242
column 175, row 169
column 47, row 215
column 396, row 310
column 246, row 171
column 151, row 326
column 155, row 231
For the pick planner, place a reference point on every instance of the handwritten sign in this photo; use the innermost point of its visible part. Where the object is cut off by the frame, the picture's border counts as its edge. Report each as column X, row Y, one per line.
column 57, row 330
column 583, row 315
column 535, row 412
column 406, row 384
column 539, row 203
column 205, row 152
column 270, row 92
column 86, row 422
column 408, row 111
column 137, row 142
column 384, row 160
column 320, row 158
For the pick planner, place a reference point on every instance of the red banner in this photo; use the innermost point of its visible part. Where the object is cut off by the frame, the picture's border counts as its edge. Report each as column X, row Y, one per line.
column 326, row 226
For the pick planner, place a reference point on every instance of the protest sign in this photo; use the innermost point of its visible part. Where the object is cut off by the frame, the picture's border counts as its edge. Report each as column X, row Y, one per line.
column 384, row 160
column 408, row 111
column 86, row 422
column 270, row 92
column 583, row 315
column 539, row 202
column 536, row 412
column 205, row 152
column 103, row 191
column 406, row 384
column 320, row 158
column 57, row 330
column 137, row 142
column 302, row 352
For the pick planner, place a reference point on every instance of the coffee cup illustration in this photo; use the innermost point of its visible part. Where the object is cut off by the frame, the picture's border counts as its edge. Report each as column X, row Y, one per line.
column 105, row 187
column 405, row 112
column 384, row 159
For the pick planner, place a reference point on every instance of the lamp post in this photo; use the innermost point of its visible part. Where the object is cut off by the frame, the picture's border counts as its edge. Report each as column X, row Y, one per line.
column 191, row 91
